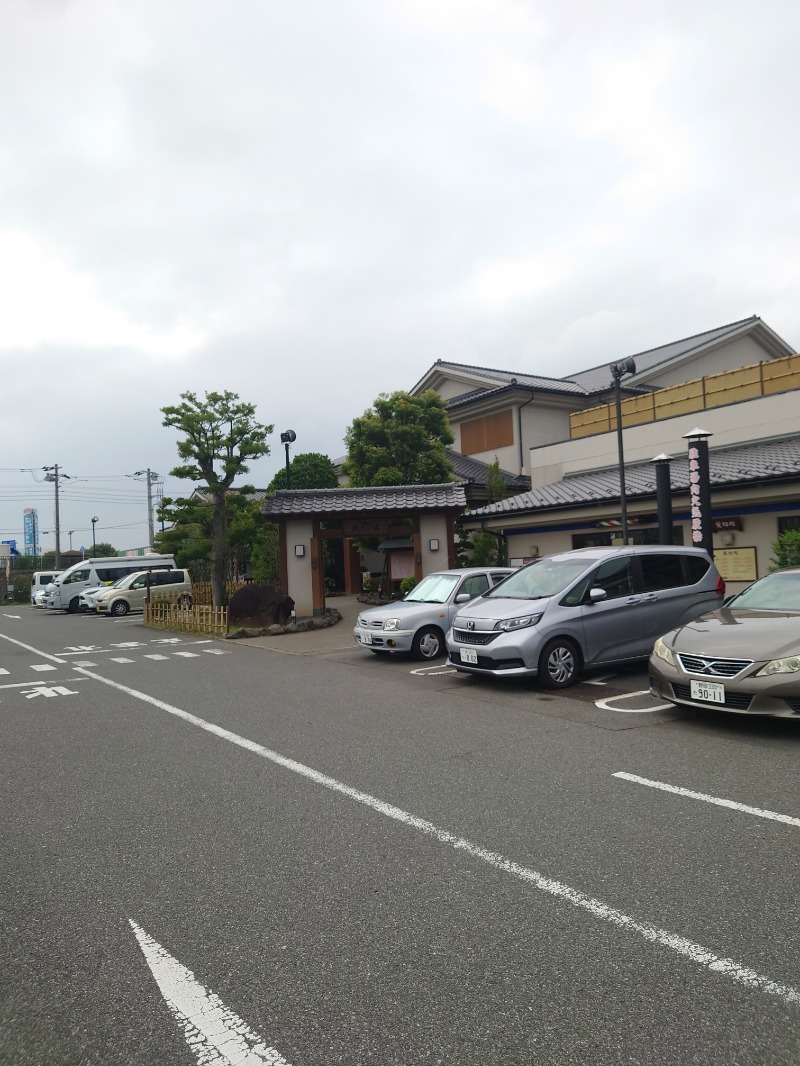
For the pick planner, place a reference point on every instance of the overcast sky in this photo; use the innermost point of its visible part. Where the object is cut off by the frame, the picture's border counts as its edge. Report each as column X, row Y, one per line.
column 308, row 202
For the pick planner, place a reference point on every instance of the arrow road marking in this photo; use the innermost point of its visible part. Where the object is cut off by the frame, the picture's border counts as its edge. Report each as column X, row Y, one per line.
column 215, row 1035
column 680, row 945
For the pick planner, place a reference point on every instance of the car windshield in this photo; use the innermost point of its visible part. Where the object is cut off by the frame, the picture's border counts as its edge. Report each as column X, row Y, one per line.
column 435, row 588
column 775, row 592
column 546, row 577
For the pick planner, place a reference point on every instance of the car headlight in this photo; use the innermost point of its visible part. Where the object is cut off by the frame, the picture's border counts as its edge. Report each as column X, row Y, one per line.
column 790, row 665
column 508, row 624
column 663, row 652
column 391, row 624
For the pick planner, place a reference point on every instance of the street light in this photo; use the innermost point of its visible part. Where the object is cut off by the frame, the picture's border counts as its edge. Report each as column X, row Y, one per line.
column 288, row 437
column 95, row 520
column 69, row 534
column 618, row 372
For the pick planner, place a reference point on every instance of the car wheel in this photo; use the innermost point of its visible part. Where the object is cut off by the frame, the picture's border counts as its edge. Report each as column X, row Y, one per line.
column 559, row 664
column 74, row 604
column 428, row 643
column 119, row 608
column 185, row 600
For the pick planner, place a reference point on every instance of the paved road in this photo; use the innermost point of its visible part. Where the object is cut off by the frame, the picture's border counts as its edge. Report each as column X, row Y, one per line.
column 223, row 853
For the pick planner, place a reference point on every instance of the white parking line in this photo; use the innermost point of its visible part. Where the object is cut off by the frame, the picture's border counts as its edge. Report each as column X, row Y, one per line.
column 696, row 953
column 732, row 805
column 213, row 1032
column 605, row 704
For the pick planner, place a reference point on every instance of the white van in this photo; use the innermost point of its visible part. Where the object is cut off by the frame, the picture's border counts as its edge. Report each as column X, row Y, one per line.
column 39, row 581
column 130, row 594
column 65, row 592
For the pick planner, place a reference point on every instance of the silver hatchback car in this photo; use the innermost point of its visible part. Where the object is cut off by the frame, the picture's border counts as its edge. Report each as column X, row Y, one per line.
column 584, row 608
column 418, row 623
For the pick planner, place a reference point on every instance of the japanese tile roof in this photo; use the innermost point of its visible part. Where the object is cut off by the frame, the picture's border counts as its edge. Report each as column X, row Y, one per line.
column 473, row 471
column 339, row 501
column 598, row 378
column 737, row 465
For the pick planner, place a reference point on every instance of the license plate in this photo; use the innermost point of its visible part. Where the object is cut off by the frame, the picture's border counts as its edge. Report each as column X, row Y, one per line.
column 709, row 691
column 366, row 638
column 469, row 656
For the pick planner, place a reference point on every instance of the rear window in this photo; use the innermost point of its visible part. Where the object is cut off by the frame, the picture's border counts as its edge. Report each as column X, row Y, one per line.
column 698, row 567
column 661, row 572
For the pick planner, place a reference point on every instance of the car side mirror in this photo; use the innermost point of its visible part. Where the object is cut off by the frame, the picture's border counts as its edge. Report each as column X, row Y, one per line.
column 464, row 597
column 597, row 595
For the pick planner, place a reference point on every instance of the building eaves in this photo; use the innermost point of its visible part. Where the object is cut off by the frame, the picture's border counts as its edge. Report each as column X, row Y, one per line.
column 737, row 465
column 474, row 471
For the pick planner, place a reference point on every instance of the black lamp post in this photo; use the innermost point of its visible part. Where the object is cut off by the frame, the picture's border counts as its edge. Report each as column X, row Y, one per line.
column 94, row 539
column 288, row 437
column 618, row 372
column 663, row 497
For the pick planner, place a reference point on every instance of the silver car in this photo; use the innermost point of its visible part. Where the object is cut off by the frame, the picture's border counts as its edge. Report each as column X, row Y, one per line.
column 418, row 623
column 742, row 658
column 584, row 608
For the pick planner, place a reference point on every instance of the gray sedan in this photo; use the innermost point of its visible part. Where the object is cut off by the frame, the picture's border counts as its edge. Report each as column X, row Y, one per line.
column 418, row 623
column 743, row 657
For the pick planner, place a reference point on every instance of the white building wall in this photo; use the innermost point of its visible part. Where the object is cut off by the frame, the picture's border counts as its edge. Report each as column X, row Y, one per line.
column 299, row 531
column 433, row 527
column 738, row 423
column 730, row 355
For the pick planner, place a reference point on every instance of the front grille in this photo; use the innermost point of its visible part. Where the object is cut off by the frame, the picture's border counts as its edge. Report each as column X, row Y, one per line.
column 734, row 701
column 793, row 705
column 708, row 666
column 365, row 623
column 473, row 636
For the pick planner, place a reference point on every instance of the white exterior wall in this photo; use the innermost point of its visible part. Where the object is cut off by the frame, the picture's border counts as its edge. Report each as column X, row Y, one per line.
column 730, row 355
column 299, row 531
column 738, row 423
column 433, row 527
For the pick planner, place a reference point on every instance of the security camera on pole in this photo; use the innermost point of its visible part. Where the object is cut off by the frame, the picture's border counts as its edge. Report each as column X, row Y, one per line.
column 288, row 437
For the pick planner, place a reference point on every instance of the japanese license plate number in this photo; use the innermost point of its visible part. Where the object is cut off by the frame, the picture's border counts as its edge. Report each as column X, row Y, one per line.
column 469, row 656
column 366, row 638
column 708, row 691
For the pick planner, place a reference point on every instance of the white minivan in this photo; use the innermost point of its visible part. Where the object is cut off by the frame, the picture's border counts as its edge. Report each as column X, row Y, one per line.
column 65, row 592
column 39, row 582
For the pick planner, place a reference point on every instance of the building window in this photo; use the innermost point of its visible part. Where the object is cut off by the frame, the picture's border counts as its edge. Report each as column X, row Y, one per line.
column 487, row 434
column 792, row 522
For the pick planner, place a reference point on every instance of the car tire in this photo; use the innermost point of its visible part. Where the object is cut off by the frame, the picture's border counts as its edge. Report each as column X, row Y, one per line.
column 185, row 600
column 119, row 609
column 74, row 605
column 428, row 644
column 559, row 664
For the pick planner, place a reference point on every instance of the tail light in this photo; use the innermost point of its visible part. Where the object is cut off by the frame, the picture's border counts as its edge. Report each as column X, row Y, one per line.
column 721, row 586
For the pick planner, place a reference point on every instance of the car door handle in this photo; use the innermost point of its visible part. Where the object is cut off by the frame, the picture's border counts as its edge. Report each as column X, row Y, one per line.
column 633, row 600
column 652, row 598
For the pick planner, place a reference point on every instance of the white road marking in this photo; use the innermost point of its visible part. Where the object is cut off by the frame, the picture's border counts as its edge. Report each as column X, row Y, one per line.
column 216, row 651
column 604, row 704
column 215, row 1035
column 680, row 945
column 162, row 658
column 17, row 616
column 27, row 647
column 43, row 666
column 732, row 805
column 43, row 690
column 434, row 670
column 121, row 660
column 3, row 670
column 187, row 654
column 83, row 662
column 601, row 680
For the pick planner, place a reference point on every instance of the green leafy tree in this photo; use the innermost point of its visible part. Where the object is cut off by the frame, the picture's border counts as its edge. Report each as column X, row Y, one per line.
column 400, row 440
column 308, row 470
column 101, row 549
column 786, row 550
column 221, row 435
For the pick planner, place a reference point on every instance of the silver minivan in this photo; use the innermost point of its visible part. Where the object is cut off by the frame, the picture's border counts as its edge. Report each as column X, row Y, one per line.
column 584, row 608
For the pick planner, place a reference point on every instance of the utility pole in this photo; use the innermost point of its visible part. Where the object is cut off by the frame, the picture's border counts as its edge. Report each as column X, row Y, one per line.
column 53, row 475
column 152, row 478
